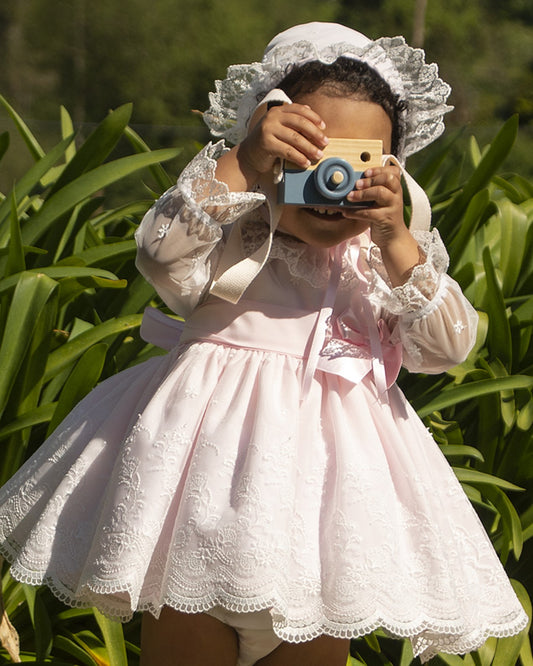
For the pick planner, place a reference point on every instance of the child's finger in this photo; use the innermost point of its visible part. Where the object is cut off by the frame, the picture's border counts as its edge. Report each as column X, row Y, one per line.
column 379, row 195
column 389, row 177
column 384, row 188
column 307, row 124
column 292, row 138
column 304, row 111
column 299, row 152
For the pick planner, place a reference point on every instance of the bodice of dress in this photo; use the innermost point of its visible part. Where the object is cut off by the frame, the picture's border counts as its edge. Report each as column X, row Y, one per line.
column 182, row 237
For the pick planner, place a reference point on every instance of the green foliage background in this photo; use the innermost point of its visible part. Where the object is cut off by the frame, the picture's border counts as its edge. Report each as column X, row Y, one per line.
column 164, row 55
column 71, row 300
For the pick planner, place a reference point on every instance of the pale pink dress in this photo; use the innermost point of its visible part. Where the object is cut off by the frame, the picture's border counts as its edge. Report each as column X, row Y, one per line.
column 214, row 475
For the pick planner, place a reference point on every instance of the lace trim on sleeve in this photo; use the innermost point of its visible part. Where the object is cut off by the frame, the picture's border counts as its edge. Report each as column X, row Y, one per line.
column 199, row 188
column 423, row 284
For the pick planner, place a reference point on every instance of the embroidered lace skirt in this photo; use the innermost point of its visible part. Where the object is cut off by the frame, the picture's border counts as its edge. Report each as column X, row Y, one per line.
column 200, row 478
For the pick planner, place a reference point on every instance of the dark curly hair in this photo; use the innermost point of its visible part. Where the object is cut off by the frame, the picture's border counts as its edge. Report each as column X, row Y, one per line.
column 347, row 76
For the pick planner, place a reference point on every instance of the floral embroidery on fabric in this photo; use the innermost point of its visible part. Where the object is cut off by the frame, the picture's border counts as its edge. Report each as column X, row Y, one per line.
column 163, row 230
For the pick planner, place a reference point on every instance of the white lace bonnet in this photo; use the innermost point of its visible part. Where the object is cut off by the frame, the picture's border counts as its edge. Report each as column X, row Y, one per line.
column 400, row 65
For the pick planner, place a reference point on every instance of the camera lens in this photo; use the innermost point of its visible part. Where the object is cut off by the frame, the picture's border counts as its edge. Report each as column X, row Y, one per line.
column 334, row 178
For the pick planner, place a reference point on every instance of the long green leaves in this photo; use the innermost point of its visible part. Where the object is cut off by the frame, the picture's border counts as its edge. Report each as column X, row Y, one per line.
column 62, row 249
column 31, row 294
column 85, row 186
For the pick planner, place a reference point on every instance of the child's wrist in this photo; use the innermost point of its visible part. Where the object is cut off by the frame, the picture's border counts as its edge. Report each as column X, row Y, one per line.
column 400, row 256
column 235, row 171
column 249, row 171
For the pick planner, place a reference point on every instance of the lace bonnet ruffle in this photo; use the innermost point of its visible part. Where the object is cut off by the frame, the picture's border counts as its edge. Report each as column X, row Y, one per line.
column 401, row 66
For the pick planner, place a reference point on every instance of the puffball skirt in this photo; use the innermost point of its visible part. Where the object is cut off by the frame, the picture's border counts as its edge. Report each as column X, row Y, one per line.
column 199, row 478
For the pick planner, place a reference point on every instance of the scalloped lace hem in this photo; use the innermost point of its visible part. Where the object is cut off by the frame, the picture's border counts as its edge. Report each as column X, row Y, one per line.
column 427, row 636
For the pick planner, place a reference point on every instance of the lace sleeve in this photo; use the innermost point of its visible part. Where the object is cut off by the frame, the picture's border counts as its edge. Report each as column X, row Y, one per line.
column 179, row 239
column 424, row 280
column 429, row 314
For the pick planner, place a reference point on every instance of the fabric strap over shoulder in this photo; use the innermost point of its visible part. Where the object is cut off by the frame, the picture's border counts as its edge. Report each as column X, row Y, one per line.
column 420, row 206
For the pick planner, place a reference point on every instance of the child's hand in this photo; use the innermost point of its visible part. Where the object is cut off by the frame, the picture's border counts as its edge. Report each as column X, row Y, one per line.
column 292, row 131
column 399, row 250
column 383, row 187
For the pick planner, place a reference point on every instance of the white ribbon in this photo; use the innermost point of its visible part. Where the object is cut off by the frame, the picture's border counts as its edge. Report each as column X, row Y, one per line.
column 319, row 331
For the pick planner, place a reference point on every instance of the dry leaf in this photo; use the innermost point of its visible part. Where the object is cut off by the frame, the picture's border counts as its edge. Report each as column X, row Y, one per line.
column 9, row 637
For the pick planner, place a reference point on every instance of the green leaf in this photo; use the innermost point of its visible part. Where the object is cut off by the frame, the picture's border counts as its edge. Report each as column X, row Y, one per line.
column 81, row 380
column 526, row 656
column 499, row 340
column 15, row 259
column 4, row 143
column 507, row 398
column 514, row 227
column 85, row 186
column 474, row 151
column 475, row 210
column 508, row 649
column 490, row 162
column 41, row 414
column 74, row 228
column 456, row 450
column 373, row 642
column 97, row 146
column 29, row 181
column 139, row 295
column 40, row 621
column 485, row 654
column 135, row 209
column 113, row 638
column 61, row 358
column 456, row 394
column 92, row 645
column 512, row 193
column 475, row 477
column 118, row 251
column 407, row 657
column 523, row 598
column 352, row 661
column 25, row 394
column 32, row 143
column 74, row 650
column 160, row 175
column 67, row 129
column 450, row 659
column 524, row 185
column 432, row 165
column 59, row 272
column 30, row 296
column 524, row 420
column 510, row 520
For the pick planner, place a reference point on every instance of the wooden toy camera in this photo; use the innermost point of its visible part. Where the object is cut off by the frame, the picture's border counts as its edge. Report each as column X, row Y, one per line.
column 327, row 182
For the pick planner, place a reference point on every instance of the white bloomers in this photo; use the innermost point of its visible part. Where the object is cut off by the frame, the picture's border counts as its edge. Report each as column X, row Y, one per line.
column 254, row 631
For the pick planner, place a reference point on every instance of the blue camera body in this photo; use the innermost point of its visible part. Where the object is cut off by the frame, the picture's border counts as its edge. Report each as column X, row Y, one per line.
column 327, row 183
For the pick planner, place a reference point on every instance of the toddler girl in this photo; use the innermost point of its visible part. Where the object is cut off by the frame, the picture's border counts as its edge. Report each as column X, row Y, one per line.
column 264, row 491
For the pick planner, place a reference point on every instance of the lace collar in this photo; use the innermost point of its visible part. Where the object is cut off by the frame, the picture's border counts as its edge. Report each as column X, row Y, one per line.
column 304, row 262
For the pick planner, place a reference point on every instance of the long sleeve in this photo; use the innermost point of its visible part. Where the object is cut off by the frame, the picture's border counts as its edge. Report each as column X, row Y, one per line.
column 429, row 314
column 181, row 237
